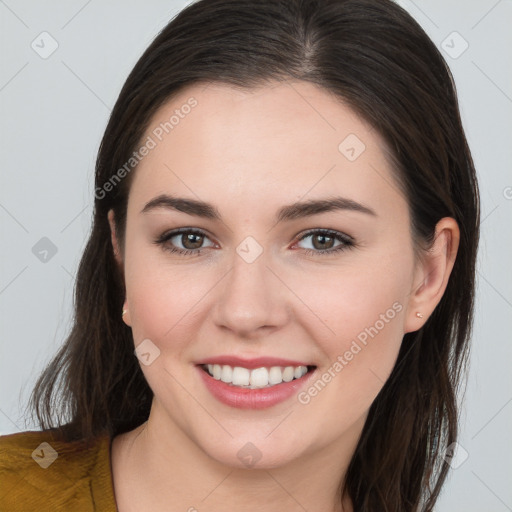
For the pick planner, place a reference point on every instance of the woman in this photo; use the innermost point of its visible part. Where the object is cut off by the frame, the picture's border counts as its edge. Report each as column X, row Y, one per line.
column 274, row 306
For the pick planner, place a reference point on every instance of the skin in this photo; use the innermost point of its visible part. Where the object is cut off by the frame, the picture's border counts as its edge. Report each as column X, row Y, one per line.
column 249, row 153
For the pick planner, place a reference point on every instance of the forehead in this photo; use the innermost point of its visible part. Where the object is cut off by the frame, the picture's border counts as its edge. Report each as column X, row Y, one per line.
column 284, row 139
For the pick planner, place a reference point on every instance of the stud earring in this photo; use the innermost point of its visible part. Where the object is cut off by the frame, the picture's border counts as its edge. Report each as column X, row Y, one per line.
column 124, row 312
column 419, row 315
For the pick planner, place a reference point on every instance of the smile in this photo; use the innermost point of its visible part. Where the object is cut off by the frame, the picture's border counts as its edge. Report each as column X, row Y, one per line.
column 256, row 378
column 253, row 383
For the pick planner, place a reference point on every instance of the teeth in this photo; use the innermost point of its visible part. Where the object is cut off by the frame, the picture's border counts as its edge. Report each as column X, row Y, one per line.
column 288, row 374
column 226, row 374
column 275, row 375
column 256, row 378
column 241, row 376
column 259, row 377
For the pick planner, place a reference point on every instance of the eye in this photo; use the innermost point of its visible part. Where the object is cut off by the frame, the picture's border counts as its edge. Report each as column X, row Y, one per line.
column 190, row 239
column 322, row 241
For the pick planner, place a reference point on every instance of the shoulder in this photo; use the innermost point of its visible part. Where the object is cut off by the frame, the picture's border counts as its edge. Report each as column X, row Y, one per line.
column 39, row 471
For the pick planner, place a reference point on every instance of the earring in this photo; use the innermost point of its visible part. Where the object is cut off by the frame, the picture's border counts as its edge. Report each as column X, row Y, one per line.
column 419, row 315
column 124, row 312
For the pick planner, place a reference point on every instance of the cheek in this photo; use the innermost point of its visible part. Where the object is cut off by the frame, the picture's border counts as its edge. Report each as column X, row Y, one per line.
column 360, row 358
column 359, row 322
column 365, row 307
column 158, row 295
column 349, row 300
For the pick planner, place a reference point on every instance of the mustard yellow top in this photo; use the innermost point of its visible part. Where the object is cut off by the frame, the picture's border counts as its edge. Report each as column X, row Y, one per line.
column 38, row 473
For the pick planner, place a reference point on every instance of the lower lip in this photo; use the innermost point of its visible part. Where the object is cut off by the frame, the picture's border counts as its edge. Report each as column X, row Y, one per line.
column 243, row 398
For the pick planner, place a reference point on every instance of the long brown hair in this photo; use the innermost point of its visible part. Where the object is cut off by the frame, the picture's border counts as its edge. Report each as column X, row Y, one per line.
column 378, row 60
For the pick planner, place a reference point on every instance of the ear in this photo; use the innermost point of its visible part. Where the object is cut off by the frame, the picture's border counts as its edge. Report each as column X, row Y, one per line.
column 119, row 259
column 432, row 273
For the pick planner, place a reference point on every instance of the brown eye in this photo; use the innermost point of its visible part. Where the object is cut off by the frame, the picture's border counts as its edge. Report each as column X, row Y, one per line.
column 190, row 240
column 323, row 242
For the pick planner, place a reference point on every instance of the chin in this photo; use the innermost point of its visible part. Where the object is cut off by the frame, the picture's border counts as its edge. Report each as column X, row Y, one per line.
column 258, row 453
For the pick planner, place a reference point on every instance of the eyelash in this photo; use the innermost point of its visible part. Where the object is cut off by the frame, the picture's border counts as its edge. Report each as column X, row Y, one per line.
column 347, row 241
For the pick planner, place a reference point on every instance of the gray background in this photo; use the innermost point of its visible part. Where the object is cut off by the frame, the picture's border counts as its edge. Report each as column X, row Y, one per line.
column 54, row 111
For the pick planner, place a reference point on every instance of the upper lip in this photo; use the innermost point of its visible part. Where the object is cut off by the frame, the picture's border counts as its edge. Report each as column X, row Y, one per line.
column 256, row 362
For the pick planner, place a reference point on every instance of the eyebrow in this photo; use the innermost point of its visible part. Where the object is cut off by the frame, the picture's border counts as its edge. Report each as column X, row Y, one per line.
column 286, row 213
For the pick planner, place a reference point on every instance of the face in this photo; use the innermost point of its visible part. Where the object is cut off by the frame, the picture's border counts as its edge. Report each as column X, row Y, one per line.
column 258, row 283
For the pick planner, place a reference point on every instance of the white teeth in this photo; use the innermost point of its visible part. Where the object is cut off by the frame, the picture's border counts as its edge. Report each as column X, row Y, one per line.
column 227, row 374
column 300, row 371
column 259, row 377
column 240, row 376
column 256, row 378
column 288, row 374
column 275, row 375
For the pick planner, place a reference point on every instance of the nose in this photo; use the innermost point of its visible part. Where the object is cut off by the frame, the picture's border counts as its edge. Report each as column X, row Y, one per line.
column 252, row 301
